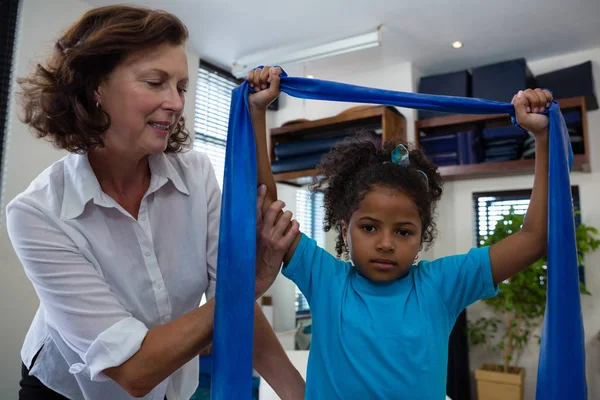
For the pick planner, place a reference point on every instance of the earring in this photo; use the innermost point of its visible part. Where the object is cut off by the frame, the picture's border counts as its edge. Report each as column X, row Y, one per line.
column 97, row 104
column 416, row 258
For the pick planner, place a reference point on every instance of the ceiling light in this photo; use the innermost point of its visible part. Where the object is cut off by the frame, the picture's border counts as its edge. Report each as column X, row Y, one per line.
column 457, row 44
column 310, row 76
column 284, row 58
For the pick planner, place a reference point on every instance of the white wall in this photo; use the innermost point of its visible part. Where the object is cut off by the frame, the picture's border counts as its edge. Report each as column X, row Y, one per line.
column 455, row 219
column 40, row 23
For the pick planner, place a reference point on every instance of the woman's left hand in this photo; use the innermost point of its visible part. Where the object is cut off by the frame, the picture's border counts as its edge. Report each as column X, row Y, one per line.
column 275, row 233
column 265, row 82
column 528, row 104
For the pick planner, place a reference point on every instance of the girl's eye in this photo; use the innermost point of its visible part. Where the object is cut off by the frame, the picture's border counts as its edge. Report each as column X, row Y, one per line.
column 368, row 228
column 404, row 232
column 182, row 90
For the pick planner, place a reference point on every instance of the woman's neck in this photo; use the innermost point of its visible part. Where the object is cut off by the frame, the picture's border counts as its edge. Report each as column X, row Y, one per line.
column 125, row 179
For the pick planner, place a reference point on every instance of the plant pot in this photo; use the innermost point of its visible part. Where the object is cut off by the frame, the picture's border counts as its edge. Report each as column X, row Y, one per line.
column 493, row 384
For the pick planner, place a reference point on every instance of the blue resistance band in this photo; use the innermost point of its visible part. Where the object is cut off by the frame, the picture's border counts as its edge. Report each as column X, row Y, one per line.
column 561, row 371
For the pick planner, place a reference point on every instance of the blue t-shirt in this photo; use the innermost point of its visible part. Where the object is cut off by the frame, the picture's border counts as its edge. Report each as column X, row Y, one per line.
column 384, row 340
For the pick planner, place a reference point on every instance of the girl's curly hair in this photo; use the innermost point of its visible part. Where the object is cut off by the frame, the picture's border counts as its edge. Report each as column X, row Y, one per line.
column 356, row 164
column 58, row 98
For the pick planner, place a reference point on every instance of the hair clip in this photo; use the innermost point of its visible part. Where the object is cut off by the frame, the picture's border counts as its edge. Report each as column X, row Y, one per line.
column 400, row 157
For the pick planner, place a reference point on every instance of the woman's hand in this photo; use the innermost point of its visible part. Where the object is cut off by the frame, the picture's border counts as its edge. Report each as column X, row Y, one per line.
column 273, row 239
column 265, row 82
column 528, row 104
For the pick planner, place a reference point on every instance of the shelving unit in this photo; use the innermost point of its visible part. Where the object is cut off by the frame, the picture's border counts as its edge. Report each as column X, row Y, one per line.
column 460, row 123
column 384, row 119
column 391, row 123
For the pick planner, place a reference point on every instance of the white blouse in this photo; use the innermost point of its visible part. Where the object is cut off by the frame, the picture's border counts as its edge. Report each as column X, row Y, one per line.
column 104, row 278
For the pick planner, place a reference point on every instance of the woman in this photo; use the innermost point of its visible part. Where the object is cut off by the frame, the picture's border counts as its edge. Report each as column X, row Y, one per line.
column 119, row 238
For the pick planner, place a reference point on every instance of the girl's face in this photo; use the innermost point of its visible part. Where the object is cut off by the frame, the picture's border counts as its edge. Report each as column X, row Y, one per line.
column 384, row 234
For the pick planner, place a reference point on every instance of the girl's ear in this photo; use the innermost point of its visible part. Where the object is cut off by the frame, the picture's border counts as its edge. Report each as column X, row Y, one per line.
column 345, row 233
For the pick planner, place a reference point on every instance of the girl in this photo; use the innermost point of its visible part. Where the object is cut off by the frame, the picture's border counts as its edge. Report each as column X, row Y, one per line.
column 381, row 322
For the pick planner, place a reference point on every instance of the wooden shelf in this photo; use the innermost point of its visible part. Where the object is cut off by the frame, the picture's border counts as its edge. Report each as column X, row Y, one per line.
column 385, row 119
column 298, row 178
column 393, row 124
column 505, row 168
column 451, row 123
column 361, row 113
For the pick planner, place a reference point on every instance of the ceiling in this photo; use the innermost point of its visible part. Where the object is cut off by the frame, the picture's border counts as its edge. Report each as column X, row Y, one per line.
column 419, row 31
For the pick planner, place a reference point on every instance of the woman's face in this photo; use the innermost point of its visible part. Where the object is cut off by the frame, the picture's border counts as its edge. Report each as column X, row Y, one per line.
column 144, row 97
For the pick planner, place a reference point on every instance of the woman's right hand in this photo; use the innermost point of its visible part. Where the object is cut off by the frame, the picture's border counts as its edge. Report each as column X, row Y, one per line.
column 265, row 82
column 273, row 239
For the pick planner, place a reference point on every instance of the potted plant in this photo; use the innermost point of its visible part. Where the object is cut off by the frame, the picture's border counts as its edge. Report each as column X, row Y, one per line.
column 518, row 310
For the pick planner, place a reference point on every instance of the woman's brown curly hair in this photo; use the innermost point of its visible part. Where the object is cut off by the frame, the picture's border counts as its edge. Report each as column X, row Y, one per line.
column 58, row 97
column 355, row 165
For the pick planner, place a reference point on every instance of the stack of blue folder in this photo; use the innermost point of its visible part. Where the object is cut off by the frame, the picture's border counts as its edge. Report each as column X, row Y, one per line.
column 306, row 153
column 503, row 143
column 301, row 154
column 454, row 148
column 575, row 128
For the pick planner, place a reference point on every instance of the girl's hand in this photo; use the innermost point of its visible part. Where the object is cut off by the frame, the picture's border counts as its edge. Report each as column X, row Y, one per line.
column 528, row 104
column 259, row 79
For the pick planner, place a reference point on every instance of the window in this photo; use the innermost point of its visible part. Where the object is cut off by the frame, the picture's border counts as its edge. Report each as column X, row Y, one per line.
column 213, row 98
column 491, row 206
column 310, row 214
column 8, row 28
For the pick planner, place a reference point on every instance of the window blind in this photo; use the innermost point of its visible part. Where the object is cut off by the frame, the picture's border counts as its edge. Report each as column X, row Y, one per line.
column 310, row 214
column 213, row 99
